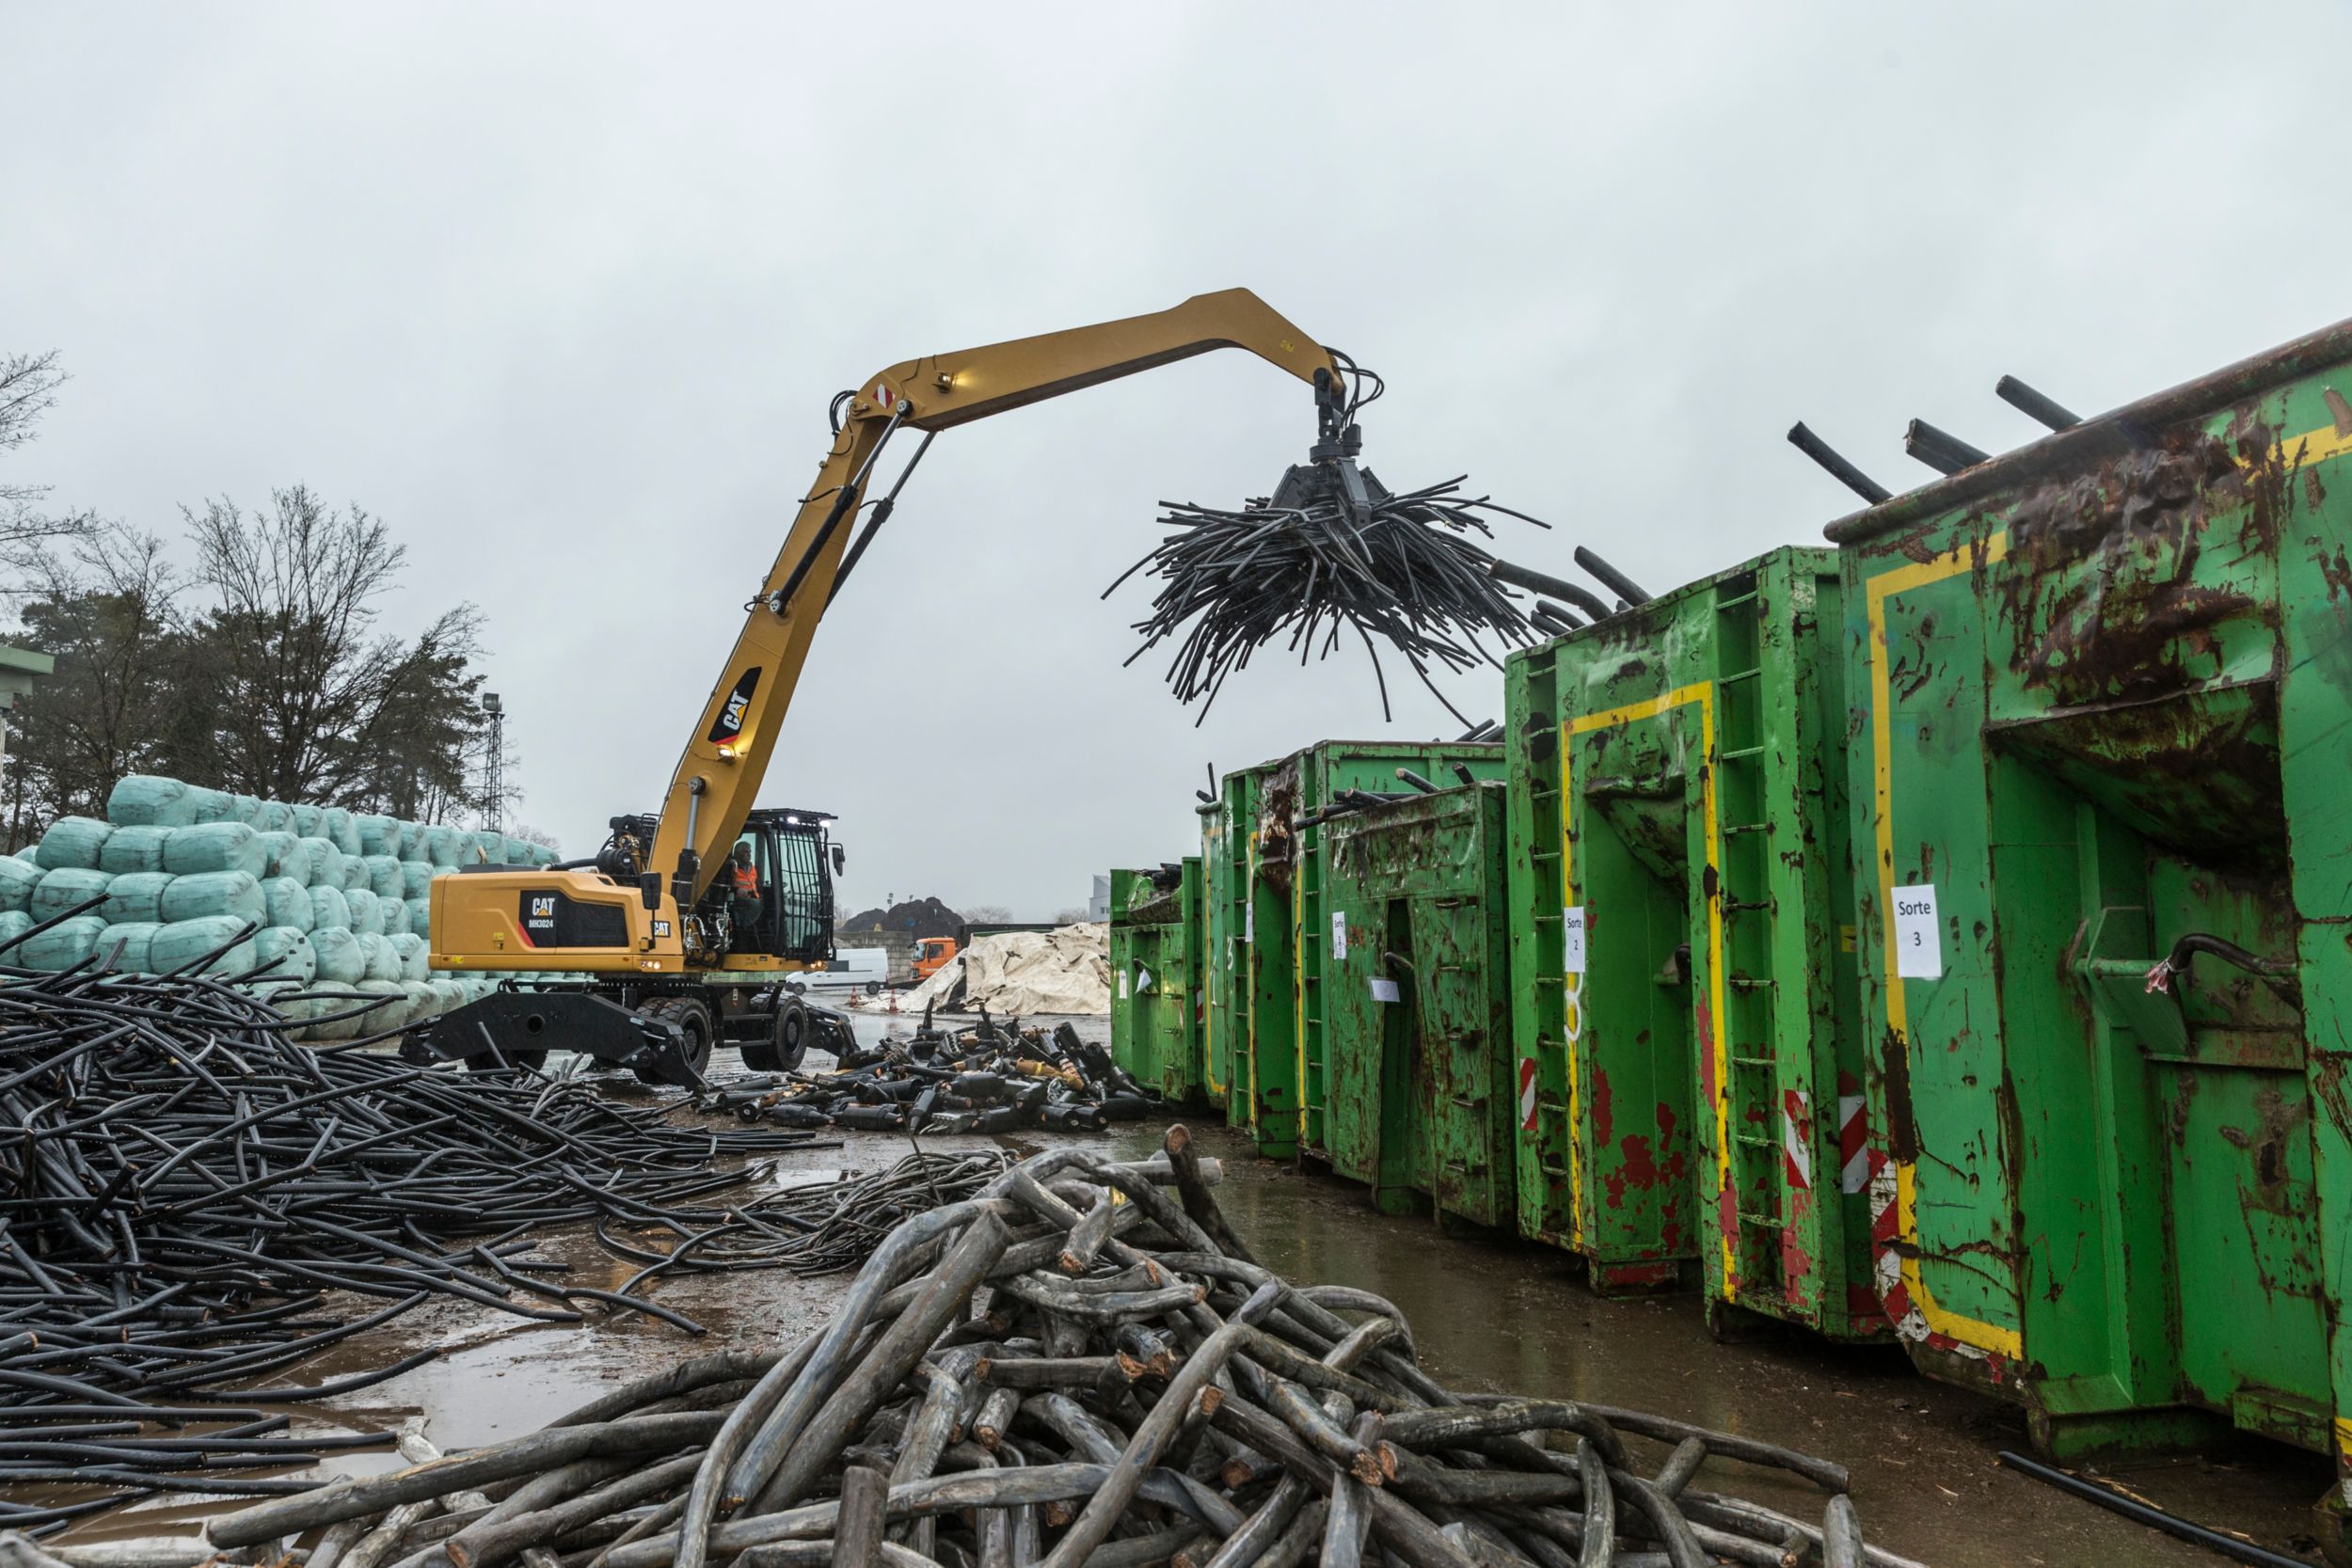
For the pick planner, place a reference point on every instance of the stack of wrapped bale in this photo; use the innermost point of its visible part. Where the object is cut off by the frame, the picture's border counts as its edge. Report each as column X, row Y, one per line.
column 339, row 901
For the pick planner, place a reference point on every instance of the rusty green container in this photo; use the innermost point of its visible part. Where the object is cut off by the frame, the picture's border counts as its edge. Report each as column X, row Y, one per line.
column 1227, row 830
column 2102, row 779
column 1687, row 1033
column 1415, row 990
column 1315, row 783
column 1157, row 1000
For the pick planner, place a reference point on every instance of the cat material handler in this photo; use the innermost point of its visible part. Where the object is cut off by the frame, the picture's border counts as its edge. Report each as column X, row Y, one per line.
column 680, row 947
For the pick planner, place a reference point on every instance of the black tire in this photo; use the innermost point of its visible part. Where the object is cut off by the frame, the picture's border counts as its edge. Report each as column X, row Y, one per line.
column 788, row 1041
column 693, row 1019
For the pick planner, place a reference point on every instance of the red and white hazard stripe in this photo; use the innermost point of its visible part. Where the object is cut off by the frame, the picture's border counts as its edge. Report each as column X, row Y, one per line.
column 1527, row 1094
column 1853, row 1143
column 1796, row 1139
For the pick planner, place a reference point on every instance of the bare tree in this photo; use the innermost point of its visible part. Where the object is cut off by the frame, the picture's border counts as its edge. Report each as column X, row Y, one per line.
column 1070, row 916
column 988, row 915
column 28, row 387
column 539, row 836
column 308, row 700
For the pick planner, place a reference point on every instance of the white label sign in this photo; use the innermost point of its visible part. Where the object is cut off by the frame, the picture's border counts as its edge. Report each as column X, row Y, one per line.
column 1249, row 922
column 1919, row 941
column 1339, row 937
column 1572, row 939
column 1122, row 986
column 1383, row 990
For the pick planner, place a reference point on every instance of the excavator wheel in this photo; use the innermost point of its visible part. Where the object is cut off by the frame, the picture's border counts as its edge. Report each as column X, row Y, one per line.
column 693, row 1019
column 788, row 1041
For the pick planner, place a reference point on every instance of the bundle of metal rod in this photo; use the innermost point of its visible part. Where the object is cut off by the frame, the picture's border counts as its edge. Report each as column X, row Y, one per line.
column 990, row 1078
column 193, row 1206
column 1405, row 572
column 1082, row 1366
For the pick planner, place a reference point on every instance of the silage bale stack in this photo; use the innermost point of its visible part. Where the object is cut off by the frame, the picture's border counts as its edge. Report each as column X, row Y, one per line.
column 337, row 901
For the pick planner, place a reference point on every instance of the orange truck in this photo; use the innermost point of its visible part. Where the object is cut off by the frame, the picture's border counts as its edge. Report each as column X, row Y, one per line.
column 931, row 955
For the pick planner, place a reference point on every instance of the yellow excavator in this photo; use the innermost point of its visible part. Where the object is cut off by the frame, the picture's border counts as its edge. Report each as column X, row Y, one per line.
column 688, row 925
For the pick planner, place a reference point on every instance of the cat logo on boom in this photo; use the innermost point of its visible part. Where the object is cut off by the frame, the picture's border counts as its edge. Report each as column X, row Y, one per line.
column 730, row 721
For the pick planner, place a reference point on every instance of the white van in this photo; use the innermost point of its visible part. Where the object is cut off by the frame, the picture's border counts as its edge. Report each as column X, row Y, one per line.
column 856, row 968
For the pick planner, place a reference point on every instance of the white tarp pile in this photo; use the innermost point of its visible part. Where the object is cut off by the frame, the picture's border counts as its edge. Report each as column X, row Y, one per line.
column 1064, row 971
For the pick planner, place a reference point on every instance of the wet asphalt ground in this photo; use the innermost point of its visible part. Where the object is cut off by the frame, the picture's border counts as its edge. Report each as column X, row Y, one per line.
column 1489, row 1314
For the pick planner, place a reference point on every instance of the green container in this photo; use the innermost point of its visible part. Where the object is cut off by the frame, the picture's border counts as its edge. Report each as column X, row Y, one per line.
column 2104, row 706
column 1156, row 1004
column 1323, row 773
column 1415, row 986
column 1691, row 1062
column 1226, row 832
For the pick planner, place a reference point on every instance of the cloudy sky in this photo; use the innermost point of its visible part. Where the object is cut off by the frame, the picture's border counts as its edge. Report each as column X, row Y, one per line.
column 562, row 291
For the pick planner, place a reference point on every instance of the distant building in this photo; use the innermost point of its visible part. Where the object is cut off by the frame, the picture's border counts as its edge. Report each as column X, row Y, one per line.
column 19, row 668
column 1099, row 905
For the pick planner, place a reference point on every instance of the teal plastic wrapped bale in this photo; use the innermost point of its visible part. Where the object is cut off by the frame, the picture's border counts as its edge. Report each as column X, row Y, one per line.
column 72, row 841
column 423, row 1002
column 336, row 823
column 355, row 869
column 392, row 1013
column 330, row 910
column 129, row 945
column 276, row 846
column 367, row 912
column 448, row 995
column 18, row 879
column 326, row 862
column 485, row 847
column 415, row 877
column 30, row 854
column 62, row 889
column 288, row 950
column 381, row 835
column 395, row 916
column 246, row 809
column 411, row 953
column 135, row 848
column 210, row 805
column 137, row 896
column 275, row 817
column 379, row 961
column 289, row 903
column 181, row 943
column 335, row 954
column 13, row 923
column 215, row 846
column 62, row 945
column 384, row 878
column 215, row 894
column 306, row 818
column 441, row 845
column 147, row 801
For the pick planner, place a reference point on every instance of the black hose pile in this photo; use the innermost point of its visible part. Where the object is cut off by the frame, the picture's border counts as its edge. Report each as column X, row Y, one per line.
column 990, row 1078
column 1406, row 572
column 1078, row 1367
column 183, row 1189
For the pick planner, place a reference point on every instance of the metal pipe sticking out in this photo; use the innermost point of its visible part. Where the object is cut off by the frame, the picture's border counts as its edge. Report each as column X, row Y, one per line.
column 1941, row 450
column 1839, row 468
column 1557, row 615
column 1407, row 775
column 1476, row 732
column 1543, row 583
column 2033, row 405
column 1616, row 581
column 1461, row 771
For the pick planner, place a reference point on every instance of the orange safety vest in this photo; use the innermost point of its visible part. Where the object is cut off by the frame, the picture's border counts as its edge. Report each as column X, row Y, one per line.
column 747, row 882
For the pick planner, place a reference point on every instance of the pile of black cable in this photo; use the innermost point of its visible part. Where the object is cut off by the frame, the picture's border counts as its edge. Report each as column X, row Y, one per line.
column 989, row 1078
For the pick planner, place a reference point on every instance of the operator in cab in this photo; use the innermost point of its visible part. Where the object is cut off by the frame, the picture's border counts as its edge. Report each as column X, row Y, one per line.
column 743, row 882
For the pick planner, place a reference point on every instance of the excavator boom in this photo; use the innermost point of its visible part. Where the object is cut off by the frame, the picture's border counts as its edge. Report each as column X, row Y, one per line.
column 582, row 920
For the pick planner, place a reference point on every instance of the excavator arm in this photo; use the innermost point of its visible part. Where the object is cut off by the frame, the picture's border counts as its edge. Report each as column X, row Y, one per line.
column 726, row 755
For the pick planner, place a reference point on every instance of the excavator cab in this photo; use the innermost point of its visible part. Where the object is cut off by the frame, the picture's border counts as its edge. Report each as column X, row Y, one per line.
column 784, row 907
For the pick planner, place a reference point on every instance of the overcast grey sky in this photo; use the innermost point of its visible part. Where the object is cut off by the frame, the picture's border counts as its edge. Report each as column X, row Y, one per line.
column 561, row 292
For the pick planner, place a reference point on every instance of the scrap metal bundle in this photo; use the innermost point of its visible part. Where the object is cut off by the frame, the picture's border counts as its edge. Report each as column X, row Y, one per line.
column 1310, row 561
column 182, row 1187
column 990, row 1078
column 1077, row 1367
